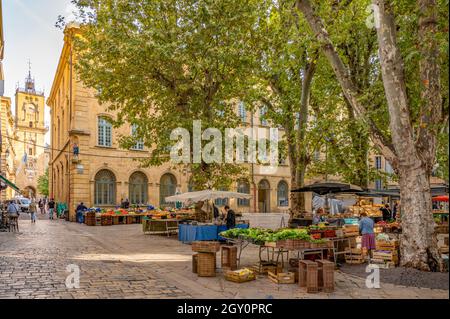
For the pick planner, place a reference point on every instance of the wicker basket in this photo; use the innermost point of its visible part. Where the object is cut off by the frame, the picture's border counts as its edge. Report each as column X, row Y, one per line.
column 206, row 264
column 206, row 246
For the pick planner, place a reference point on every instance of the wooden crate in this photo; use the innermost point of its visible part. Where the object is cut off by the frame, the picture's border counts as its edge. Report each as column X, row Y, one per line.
column 264, row 267
column 308, row 276
column 106, row 220
column 385, row 255
column 295, row 271
column 387, row 245
column 229, row 257
column 206, row 246
column 328, row 244
column 294, row 244
column 282, row 277
column 326, row 275
column 354, row 256
column 206, row 264
column 235, row 277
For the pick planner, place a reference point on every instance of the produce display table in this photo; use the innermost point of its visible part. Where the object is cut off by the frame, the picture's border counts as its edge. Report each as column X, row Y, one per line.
column 160, row 226
column 188, row 233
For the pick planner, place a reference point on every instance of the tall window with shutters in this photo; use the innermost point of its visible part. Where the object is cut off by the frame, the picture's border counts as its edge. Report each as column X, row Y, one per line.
column 139, row 146
column 104, row 132
column 262, row 115
column 242, row 112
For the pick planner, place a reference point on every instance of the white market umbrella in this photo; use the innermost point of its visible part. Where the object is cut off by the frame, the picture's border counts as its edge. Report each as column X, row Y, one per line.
column 192, row 197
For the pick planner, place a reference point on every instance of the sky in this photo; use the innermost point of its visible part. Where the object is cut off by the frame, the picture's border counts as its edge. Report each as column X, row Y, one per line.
column 30, row 35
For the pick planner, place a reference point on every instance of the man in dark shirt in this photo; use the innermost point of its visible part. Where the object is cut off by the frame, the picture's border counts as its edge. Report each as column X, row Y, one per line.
column 230, row 217
column 81, row 207
column 386, row 212
column 51, row 208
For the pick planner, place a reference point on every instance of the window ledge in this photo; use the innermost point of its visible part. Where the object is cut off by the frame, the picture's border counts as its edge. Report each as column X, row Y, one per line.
column 106, row 147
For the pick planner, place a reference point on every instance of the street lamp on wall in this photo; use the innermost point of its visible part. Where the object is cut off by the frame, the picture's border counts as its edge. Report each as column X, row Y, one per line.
column 80, row 169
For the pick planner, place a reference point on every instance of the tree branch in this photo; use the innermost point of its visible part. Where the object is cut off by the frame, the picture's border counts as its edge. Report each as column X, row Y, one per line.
column 348, row 87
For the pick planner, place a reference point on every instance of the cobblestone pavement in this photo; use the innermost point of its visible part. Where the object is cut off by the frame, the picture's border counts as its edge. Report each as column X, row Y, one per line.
column 121, row 262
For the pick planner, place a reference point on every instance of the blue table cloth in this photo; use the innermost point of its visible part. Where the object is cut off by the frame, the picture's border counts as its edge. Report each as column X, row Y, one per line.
column 189, row 233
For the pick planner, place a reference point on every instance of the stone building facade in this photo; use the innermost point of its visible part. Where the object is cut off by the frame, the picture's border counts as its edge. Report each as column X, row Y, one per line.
column 103, row 173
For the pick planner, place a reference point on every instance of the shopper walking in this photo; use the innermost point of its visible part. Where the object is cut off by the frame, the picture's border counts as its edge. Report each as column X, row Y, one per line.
column 33, row 210
column 366, row 225
column 41, row 205
column 51, row 208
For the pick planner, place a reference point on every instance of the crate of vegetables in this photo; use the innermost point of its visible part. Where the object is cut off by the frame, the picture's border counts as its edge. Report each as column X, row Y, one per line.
column 239, row 276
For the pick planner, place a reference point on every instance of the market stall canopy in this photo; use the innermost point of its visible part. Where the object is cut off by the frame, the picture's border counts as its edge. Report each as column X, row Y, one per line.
column 204, row 195
column 443, row 198
column 10, row 184
column 329, row 188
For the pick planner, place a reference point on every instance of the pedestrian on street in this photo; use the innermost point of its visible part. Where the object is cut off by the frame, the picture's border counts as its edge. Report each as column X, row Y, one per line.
column 13, row 210
column 33, row 210
column 51, row 208
column 366, row 225
column 41, row 206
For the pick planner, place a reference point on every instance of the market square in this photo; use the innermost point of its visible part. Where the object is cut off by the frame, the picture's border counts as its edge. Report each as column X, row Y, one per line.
column 224, row 150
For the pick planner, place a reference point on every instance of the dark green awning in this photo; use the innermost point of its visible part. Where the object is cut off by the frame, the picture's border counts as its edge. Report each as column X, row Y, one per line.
column 10, row 184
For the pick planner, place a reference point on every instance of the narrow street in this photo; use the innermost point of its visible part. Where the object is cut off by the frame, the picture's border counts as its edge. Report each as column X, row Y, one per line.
column 121, row 262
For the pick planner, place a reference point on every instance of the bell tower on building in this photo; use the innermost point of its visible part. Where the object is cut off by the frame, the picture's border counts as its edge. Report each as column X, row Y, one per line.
column 31, row 129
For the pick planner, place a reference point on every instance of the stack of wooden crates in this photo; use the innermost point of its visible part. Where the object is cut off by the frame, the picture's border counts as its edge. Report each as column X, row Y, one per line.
column 204, row 262
column 386, row 254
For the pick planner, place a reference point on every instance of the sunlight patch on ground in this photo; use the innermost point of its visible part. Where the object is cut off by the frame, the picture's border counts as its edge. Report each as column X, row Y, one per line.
column 134, row 257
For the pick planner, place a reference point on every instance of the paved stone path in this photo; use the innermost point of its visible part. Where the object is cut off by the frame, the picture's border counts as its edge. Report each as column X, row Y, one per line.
column 121, row 262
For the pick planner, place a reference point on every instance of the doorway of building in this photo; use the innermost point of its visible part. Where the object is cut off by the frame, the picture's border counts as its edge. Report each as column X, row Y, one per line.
column 264, row 196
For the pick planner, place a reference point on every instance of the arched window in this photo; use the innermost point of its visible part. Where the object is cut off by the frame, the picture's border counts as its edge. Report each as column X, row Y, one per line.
column 243, row 187
column 221, row 201
column 104, row 132
column 138, row 188
column 282, row 194
column 105, row 188
column 167, row 187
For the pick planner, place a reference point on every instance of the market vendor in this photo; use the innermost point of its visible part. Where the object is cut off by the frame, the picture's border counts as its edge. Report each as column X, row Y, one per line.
column 319, row 216
column 366, row 225
column 81, row 207
column 230, row 217
column 387, row 214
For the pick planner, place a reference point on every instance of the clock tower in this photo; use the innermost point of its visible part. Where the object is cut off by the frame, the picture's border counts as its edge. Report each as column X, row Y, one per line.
column 30, row 131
